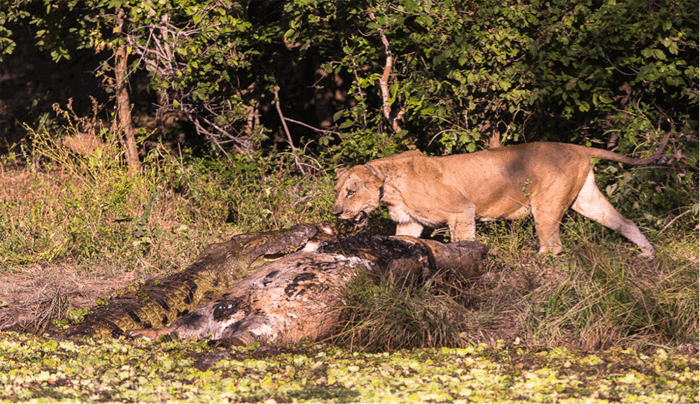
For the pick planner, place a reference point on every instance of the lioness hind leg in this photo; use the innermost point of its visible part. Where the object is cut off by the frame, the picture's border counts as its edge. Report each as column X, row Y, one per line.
column 547, row 227
column 591, row 203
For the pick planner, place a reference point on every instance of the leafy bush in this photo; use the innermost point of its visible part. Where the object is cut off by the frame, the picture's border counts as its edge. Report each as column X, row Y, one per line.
column 448, row 76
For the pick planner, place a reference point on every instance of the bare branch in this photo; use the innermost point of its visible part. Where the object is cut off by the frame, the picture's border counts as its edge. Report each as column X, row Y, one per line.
column 286, row 130
column 156, row 46
column 312, row 127
column 384, row 80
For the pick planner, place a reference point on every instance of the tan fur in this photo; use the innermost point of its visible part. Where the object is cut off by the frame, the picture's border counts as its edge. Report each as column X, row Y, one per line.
column 544, row 179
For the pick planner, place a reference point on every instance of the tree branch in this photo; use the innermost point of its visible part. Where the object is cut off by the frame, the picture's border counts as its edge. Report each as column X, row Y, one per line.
column 286, row 130
column 312, row 127
column 384, row 80
column 123, row 113
column 157, row 52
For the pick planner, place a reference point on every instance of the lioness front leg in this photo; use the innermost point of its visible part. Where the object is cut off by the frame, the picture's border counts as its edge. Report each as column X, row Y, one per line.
column 463, row 227
column 412, row 229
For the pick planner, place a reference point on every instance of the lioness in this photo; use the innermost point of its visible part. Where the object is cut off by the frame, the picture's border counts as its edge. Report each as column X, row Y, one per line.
column 544, row 179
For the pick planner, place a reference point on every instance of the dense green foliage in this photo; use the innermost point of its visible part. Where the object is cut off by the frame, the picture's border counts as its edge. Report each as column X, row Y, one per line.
column 352, row 81
column 462, row 71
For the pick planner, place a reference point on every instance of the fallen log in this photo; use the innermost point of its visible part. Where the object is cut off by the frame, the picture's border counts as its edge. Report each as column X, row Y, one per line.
column 293, row 293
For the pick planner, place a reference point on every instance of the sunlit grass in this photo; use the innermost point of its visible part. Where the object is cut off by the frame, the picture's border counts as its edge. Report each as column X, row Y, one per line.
column 88, row 210
column 596, row 295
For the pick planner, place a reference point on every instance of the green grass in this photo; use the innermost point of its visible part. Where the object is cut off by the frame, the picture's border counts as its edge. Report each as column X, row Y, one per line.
column 388, row 314
column 596, row 295
column 91, row 212
column 63, row 207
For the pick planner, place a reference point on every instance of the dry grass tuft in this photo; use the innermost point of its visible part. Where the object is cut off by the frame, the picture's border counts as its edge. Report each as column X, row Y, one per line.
column 595, row 296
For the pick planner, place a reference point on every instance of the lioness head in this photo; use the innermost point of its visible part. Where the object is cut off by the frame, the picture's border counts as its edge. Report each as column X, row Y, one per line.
column 357, row 193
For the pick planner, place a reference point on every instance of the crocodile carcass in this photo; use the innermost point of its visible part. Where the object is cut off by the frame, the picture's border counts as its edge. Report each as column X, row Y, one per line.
column 292, row 290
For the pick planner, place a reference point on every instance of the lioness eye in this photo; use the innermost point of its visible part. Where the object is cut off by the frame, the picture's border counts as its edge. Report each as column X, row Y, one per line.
column 350, row 193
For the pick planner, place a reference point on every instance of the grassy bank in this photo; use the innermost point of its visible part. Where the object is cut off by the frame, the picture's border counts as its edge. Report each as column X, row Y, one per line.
column 88, row 213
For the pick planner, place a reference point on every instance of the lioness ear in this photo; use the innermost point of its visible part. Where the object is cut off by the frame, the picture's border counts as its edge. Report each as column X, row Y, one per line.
column 340, row 172
column 377, row 177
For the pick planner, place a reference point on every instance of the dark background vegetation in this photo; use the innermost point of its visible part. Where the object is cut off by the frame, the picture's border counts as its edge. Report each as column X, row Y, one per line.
column 462, row 74
column 344, row 82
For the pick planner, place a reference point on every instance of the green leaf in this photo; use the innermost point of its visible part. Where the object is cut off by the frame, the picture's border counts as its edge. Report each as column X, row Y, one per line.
column 604, row 99
column 659, row 54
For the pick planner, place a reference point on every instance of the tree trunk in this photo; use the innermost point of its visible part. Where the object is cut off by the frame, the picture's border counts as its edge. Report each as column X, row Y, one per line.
column 125, row 126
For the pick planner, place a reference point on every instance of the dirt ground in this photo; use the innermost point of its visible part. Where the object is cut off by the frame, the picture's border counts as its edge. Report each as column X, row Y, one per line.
column 33, row 294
